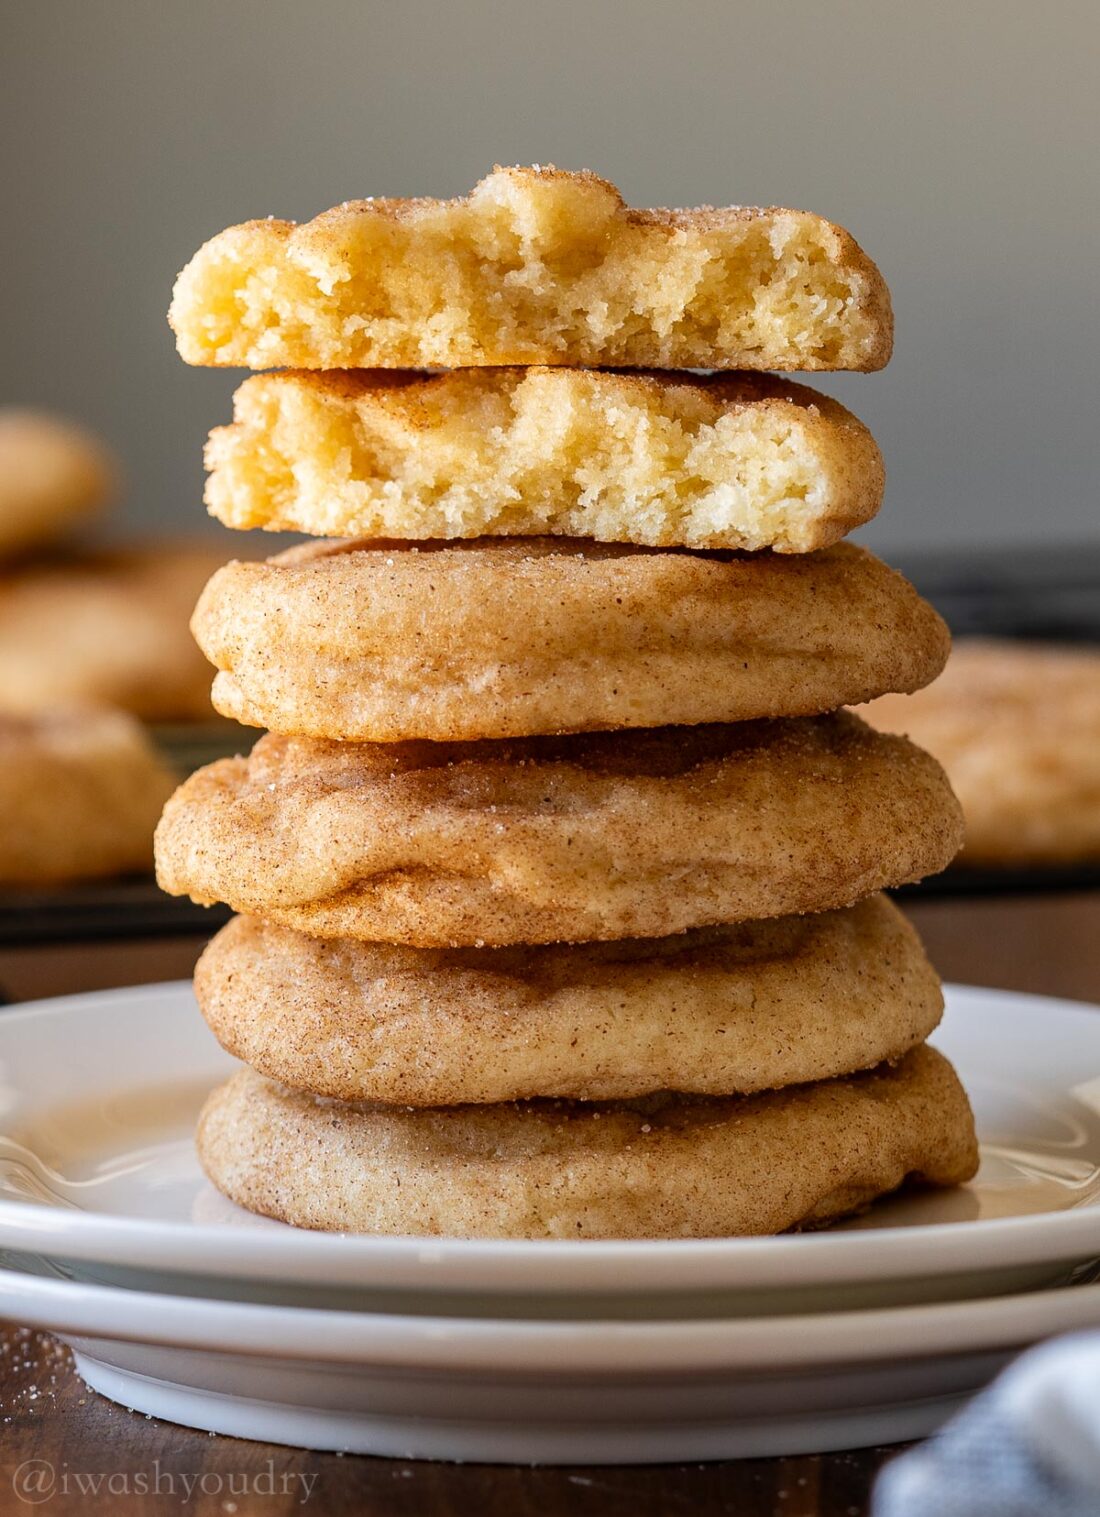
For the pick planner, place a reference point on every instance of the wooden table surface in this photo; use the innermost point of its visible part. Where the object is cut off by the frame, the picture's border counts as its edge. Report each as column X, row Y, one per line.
column 64, row 1449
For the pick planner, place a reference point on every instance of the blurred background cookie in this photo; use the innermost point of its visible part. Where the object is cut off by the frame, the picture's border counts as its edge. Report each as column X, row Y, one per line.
column 54, row 476
column 110, row 627
column 93, row 637
column 80, row 793
column 1017, row 727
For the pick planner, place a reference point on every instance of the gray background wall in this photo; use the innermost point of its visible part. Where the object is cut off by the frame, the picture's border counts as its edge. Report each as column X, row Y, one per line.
column 957, row 138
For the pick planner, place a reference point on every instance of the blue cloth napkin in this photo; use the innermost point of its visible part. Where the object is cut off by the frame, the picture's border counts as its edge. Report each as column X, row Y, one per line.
column 1029, row 1446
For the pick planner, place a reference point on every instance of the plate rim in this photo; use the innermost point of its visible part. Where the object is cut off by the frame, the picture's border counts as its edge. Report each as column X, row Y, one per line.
column 624, row 1266
column 817, row 1340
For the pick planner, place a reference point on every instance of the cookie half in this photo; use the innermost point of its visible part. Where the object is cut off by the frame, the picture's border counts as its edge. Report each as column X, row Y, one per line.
column 534, row 266
column 80, row 794
column 741, row 461
column 720, row 1010
column 667, row 1167
column 505, row 638
column 1017, row 727
column 597, row 836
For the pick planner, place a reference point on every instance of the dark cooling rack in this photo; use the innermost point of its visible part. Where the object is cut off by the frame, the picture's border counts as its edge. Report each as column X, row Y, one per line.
column 1044, row 595
column 962, row 881
column 1039, row 595
column 100, row 911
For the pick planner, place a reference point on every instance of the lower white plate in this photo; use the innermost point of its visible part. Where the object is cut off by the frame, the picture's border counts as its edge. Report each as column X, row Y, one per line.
column 539, row 1392
column 98, row 1098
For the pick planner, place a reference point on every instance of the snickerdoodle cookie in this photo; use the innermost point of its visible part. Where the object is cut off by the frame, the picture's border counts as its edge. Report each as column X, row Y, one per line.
column 716, row 1011
column 107, row 627
column 509, row 637
column 723, row 461
column 670, row 1166
column 593, row 836
column 53, row 476
column 80, row 793
column 1017, row 727
column 534, row 266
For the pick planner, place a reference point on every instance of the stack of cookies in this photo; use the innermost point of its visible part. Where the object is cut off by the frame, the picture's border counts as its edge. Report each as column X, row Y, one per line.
column 557, row 869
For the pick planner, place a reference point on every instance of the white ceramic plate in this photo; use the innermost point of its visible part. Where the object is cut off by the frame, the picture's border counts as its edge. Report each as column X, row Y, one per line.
column 540, row 1392
column 98, row 1097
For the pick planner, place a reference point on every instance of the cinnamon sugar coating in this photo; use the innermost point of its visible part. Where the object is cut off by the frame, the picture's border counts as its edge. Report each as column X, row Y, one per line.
column 505, row 638
column 719, row 1010
column 667, row 1167
column 596, row 836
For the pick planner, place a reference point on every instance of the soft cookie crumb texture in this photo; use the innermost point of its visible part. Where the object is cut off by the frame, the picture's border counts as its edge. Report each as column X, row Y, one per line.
column 534, row 266
column 742, row 461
